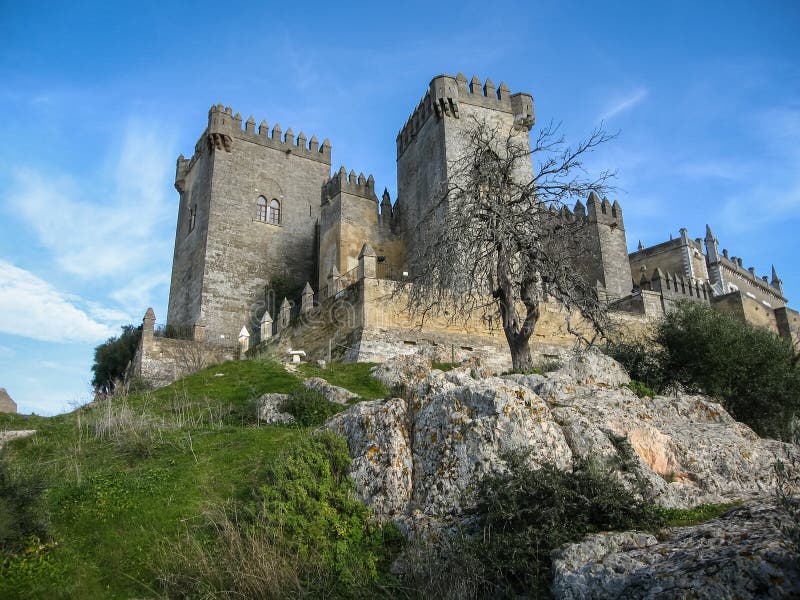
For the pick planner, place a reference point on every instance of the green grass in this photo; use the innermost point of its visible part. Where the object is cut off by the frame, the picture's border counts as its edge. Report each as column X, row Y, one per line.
column 114, row 501
column 112, row 505
column 683, row 517
column 352, row 376
column 445, row 366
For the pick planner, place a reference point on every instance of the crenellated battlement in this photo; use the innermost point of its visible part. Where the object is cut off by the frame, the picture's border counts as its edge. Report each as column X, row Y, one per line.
column 734, row 266
column 446, row 93
column 357, row 185
column 223, row 126
column 672, row 285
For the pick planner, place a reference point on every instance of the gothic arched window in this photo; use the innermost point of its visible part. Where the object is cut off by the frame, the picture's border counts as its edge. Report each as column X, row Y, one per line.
column 262, row 208
column 274, row 212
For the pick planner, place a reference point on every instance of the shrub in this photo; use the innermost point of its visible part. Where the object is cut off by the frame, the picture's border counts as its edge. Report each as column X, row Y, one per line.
column 523, row 515
column 753, row 372
column 306, row 536
column 111, row 358
column 309, row 407
column 750, row 370
column 640, row 389
column 21, row 509
column 643, row 361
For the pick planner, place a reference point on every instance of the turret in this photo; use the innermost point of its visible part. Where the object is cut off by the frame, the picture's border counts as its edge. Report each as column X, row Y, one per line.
column 386, row 207
column 776, row 282
column 605, row 237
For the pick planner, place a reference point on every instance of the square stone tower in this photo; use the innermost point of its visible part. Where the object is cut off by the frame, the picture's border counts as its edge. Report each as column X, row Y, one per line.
column 248, row 212
column 436, row 134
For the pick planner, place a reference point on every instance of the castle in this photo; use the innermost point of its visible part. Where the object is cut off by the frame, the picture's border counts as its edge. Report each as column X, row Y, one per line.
column 259, row 210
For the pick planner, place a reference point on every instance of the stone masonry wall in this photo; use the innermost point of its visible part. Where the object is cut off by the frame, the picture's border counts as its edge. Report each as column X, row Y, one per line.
column 193, row 182
column 160, row 361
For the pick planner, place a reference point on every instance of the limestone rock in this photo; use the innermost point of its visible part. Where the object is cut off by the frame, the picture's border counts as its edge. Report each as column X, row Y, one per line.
column 742, row 554
column 270, row 409
column 416, row 460
column 333, row 393
column 15, row 434
column 461, row 432
column 378, row 443
column 403, row 371
column 420, row 458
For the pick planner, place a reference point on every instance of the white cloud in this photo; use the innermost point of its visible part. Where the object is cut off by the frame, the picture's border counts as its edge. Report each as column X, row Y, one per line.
column 103, row 226
column 620, row 105
column 137, row 293
column 30, row 307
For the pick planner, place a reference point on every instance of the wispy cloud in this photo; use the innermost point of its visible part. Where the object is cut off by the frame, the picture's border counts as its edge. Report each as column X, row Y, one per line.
column 717, row 169
column 623, row 104
column 99, row 227
column 30, row 307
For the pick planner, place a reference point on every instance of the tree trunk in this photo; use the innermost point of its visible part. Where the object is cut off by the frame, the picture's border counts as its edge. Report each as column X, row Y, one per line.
column 520, row 353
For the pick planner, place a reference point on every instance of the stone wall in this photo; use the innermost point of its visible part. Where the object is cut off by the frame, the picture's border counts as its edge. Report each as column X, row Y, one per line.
column 783, row 321
column 368, row 321
column 7, row 404
column 159, row 360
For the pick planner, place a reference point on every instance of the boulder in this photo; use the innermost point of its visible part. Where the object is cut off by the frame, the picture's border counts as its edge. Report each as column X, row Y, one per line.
column 743, row 554
column 403, row 371
column 270, row 409
column 14, row 434
column 332, row 393
column 382, row 464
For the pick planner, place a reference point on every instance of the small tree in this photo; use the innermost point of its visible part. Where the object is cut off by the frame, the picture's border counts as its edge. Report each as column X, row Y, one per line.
column 499, row 240
column 111, row 358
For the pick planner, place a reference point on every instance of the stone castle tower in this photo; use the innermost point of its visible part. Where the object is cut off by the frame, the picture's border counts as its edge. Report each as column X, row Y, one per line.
column 435, row 136
column 248, row 212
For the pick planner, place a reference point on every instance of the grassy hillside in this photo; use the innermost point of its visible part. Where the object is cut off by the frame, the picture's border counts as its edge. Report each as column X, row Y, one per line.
column 124, row 479
column 182, row 493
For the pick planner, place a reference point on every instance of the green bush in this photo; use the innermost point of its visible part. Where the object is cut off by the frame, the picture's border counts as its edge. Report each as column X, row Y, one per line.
column 640, row 389
column 309, row 407
column 309, row 496
column 21, row 509
column 112, row 357
column 523, row 515
column 643, row 361
column 751, row 371
column 307, row 535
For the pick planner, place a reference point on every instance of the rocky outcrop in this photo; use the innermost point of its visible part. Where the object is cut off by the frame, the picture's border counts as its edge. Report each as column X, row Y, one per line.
column 417, row 459
column 270, row 409
column 332, row 393
column 14, row 434
column 742, row 554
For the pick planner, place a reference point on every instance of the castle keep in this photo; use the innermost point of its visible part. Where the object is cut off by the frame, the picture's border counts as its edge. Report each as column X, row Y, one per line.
column 259, row 209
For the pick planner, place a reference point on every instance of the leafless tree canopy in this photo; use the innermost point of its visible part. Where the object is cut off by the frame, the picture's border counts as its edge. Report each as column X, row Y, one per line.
column 499, row 241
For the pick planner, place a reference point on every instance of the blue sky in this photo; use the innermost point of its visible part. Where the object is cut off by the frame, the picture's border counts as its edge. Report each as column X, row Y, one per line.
column 98, row 101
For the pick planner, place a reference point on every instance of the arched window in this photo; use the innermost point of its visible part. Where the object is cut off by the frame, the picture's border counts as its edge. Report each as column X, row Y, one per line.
column 274, row 212
column 261, row 204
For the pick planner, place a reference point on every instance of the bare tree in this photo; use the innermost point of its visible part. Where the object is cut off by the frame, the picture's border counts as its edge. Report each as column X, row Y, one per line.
column 500, row 239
